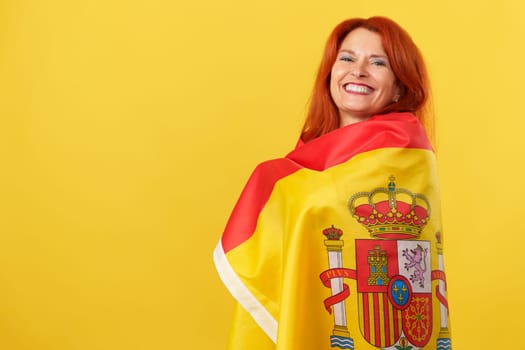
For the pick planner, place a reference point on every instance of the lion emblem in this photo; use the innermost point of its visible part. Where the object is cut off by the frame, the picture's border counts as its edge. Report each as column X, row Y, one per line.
column 417, row 261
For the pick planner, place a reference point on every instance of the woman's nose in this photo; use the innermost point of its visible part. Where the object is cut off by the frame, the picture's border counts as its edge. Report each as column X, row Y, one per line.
column 358, row 70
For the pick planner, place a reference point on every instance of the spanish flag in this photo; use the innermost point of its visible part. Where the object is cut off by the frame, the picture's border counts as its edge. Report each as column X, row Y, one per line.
column 339, row 244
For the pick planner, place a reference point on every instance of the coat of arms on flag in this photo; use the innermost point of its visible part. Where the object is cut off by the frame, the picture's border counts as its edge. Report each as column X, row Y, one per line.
column 393, row 273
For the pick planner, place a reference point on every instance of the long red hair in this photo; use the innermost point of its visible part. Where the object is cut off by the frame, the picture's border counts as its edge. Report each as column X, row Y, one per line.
column 406, row 62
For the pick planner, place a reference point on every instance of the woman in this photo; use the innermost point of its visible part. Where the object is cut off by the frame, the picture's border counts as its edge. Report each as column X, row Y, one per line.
column 338, row 244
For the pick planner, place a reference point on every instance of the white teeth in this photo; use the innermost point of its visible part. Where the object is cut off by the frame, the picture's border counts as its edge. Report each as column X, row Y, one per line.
column 360, row 89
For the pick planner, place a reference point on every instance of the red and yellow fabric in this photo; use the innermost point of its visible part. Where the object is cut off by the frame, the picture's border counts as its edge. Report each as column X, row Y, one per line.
column 273, row 255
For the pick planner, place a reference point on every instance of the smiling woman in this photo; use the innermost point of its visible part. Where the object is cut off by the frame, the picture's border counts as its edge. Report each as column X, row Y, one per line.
column 339, row 244
column 375, row 36
column 362, row 82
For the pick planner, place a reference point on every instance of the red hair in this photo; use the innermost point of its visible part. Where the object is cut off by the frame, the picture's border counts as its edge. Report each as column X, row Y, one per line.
column 406, row 62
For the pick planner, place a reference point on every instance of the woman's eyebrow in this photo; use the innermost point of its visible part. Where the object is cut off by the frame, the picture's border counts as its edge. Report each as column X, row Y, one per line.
column 379, row 56
column 371, row 56
column 346, row 51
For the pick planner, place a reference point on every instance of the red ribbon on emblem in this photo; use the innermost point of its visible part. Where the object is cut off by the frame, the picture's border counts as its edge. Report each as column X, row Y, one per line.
column 327, row 275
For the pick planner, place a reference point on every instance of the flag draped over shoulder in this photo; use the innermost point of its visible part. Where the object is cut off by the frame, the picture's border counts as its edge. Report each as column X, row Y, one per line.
column 339, row 244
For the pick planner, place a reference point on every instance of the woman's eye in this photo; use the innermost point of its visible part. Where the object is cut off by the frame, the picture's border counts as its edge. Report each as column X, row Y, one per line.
column 346, row 58
column 379, row 62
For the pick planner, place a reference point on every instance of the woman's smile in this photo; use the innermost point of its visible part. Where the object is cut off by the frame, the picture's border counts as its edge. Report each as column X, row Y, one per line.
column 360, row 89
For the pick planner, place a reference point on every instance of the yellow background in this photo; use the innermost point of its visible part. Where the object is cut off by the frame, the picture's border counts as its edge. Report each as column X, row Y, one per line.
column 128, row 128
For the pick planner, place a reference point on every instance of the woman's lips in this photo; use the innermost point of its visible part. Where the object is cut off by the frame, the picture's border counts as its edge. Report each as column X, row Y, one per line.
column 358, row 88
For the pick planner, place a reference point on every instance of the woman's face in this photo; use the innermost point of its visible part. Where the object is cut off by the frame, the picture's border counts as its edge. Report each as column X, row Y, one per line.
column 362, row 81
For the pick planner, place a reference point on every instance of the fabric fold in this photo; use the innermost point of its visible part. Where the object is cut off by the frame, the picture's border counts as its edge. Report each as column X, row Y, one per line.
column 338, row 244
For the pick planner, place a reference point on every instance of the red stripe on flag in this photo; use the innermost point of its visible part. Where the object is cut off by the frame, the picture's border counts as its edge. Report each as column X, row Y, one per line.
column 256, row 193
column 366, row 317
column 397, row 130
column 377, row 321
column 397, row 315
column 386, row 312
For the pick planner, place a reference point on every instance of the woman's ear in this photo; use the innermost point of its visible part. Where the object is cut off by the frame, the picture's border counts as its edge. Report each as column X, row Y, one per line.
column 400, row 90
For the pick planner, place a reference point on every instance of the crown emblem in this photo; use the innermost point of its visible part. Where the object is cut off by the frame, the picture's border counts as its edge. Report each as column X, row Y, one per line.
column 332, row 233
column 391, row 212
